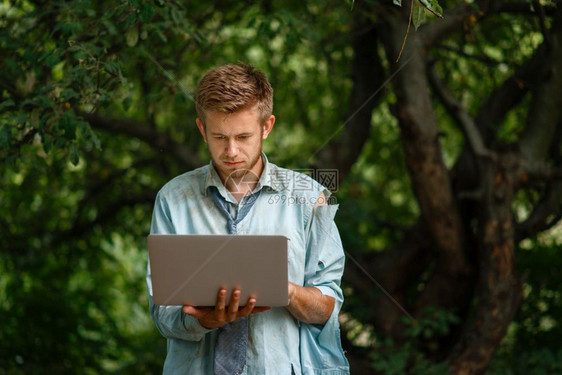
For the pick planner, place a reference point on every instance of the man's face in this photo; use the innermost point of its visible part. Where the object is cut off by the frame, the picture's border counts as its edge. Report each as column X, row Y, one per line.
column 235, row 141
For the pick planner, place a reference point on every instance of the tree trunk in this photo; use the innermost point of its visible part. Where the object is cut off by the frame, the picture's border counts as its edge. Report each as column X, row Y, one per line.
column 449, row 285
column 368, row 74
column 499, row 290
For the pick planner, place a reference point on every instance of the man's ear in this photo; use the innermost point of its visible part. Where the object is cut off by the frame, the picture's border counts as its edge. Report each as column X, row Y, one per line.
column 268, row 126
column 201, row 128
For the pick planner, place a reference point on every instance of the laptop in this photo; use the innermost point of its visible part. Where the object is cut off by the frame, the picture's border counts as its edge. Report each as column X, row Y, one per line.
column 190, row 269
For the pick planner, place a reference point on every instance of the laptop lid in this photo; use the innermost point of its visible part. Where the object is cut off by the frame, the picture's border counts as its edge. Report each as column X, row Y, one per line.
column 190, row 269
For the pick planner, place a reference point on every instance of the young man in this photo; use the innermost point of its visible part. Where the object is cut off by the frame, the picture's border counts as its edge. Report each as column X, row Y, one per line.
column 240, row 192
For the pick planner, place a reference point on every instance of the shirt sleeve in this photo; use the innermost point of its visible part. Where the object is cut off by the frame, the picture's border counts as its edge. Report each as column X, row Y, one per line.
column 320, row 345
column 325, row 256
column 170, row 320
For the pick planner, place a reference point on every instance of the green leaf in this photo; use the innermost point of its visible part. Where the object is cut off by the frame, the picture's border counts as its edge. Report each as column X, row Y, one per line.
column 5, row 137
column 6, row 104
column 91, row 139
column 130, row 21
column 22, row 118
column 68, row 94
column 109, row 13
column 75, row 48
column 94, row 140
column 161, row 35
column 132, row 36
column 112, row 67
column 67, row 124
column 110, row 26
column 43, row 101
column 69, row 28
column 74, row 155
column 252, row 22
column 60, row 142
column 418, row 16
column 52, row 59
column 126, row 103
column 47, row 141
column 104, row 98
column 397, row 2
column 146, row 12
column 433, row 6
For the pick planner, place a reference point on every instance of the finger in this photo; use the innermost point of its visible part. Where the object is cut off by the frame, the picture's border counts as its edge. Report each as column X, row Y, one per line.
column 187, row 309
column 234, row 304
column 221, row 300
column 196, row 312
column 247, row 310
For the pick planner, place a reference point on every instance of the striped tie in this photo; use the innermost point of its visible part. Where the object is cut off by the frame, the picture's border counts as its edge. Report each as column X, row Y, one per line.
column 232, row 340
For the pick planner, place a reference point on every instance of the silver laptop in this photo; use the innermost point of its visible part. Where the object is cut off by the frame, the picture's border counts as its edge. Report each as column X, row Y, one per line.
column 190, row 269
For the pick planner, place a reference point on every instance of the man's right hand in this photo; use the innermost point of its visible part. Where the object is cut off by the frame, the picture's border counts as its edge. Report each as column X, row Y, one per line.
column 220, row 314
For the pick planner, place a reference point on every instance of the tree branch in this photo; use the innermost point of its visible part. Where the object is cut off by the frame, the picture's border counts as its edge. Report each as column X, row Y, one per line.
column 104, row 186
column 159, row 141
column 453, row 19
column 508, row 95
column 542, row 172
column 545, row 111
column 458, row 113
column 522, row 7
column 513, row 89
column 546, row 213
column 424, row 156
column 110, row 211
column 483, row 59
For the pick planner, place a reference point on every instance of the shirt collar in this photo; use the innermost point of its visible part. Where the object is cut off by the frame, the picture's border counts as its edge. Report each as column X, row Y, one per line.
column 268, row 179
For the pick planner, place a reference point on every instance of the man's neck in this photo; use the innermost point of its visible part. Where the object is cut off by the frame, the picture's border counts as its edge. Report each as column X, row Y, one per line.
column 240, row 186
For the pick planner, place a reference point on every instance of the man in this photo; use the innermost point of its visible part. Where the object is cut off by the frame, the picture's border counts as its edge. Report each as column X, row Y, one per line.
column 241, row 192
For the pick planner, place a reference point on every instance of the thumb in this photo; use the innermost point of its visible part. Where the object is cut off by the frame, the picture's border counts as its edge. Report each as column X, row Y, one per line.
column 189, row 310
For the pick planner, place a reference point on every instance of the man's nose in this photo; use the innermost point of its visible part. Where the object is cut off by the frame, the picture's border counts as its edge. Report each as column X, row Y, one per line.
column 231, row 147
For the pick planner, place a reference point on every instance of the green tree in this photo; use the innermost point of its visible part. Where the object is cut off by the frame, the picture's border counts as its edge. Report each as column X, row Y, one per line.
column 449, row 165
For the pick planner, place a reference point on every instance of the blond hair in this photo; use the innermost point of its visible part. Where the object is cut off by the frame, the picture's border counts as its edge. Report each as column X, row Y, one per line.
column 232, row 88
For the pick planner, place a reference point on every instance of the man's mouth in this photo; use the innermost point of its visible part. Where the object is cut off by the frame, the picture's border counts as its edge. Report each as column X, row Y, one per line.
column 233, row 163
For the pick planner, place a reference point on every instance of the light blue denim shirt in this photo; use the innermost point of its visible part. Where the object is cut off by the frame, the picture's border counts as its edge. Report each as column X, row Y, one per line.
column 277, row 342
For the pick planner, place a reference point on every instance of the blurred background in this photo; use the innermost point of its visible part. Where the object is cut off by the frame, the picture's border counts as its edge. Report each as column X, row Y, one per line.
column 445, row 133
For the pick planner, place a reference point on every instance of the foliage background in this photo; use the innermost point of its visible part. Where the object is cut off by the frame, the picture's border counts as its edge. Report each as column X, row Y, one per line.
column 97, row 113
